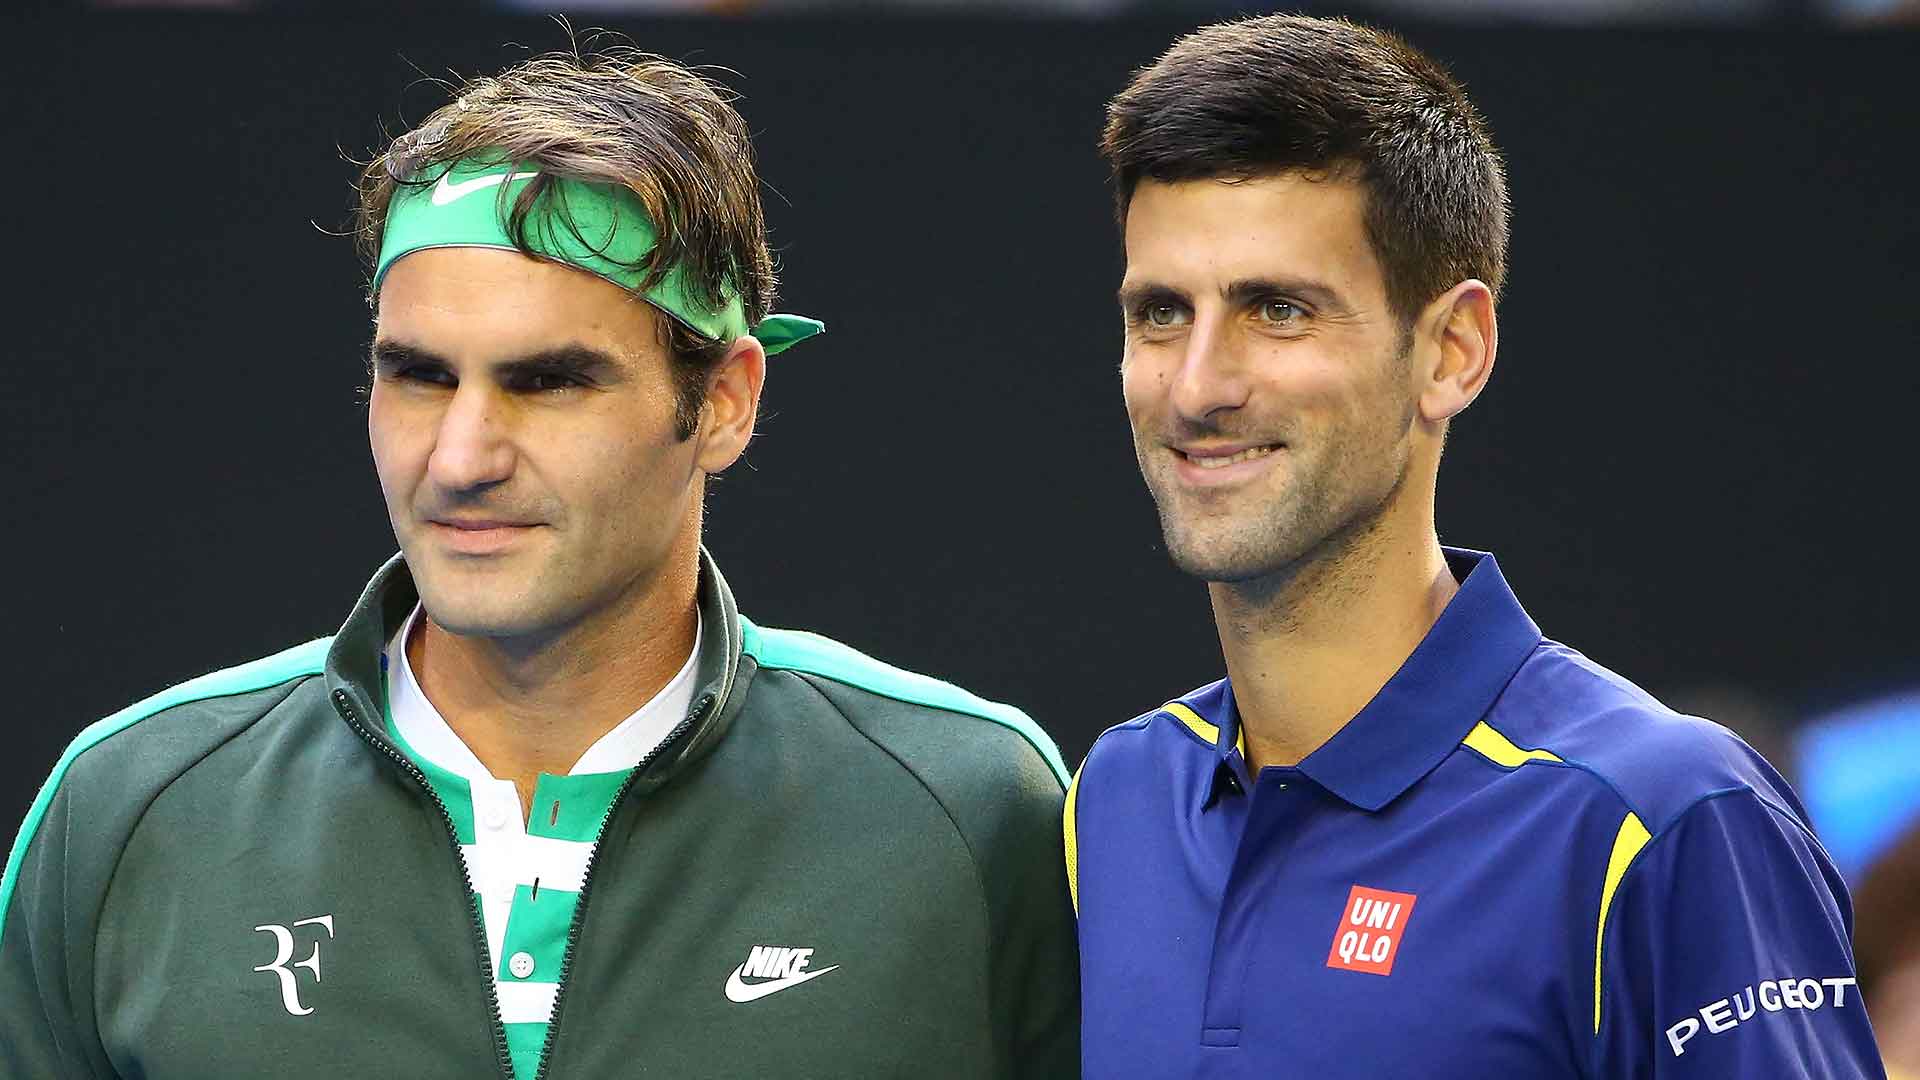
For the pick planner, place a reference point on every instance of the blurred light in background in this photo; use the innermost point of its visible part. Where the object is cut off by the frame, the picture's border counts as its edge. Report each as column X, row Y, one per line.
column 1859, row 774
column 1860, row 778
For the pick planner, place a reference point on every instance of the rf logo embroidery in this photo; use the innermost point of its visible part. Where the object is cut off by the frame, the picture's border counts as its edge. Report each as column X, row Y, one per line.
column 283, row 937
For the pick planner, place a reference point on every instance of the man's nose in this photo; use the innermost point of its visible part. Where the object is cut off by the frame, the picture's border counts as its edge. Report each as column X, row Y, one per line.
column 1212, row 376
column 473, row 447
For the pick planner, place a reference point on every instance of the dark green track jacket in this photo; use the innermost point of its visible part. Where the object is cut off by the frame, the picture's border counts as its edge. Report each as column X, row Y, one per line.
column 243, row 877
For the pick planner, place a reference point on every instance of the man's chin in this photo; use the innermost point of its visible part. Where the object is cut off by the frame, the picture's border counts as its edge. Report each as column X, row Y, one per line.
column 1227, row 560
column 469, row 609
column 1219, row 570
column 466, row 622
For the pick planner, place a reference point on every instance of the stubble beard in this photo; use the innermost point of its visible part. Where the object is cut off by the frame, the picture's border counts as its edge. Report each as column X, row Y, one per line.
column 1320, row 515
column 1333, row 501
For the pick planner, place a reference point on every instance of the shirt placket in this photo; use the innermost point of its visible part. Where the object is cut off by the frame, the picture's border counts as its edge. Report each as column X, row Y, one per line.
column 1275, row 810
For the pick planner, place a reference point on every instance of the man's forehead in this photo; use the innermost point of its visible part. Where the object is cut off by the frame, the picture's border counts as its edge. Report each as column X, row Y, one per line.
column 1208, row 232
column 507, row 301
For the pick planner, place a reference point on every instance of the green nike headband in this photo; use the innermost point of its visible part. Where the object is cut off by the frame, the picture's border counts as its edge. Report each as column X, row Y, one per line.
column 603, row 230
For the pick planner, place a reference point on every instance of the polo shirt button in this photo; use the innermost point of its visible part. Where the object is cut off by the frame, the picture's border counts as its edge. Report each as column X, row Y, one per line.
column 521, row 964
column 496, row 817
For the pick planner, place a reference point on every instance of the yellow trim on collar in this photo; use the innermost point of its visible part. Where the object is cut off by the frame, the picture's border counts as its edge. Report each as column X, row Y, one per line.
column 1209, row 733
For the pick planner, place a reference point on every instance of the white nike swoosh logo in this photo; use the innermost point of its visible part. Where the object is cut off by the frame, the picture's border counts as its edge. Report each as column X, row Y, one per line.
column 444, row 193
column 741, row 993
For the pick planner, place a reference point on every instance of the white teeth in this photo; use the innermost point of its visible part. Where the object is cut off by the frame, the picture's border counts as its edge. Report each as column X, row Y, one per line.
column 1232, row 459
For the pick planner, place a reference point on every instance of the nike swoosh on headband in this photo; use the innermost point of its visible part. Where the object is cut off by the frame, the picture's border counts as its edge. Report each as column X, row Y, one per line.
column 597, row 227
column 445, row 192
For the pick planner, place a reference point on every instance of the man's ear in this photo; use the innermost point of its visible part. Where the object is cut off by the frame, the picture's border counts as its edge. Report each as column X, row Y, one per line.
column 1462, row 334
column 731, row 406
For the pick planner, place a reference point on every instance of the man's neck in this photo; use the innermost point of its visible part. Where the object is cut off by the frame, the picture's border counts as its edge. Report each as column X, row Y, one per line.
column 530, row 708
column 1307, row 654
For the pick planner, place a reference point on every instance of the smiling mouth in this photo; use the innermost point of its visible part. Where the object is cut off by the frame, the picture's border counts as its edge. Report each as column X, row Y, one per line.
column 1221, row 461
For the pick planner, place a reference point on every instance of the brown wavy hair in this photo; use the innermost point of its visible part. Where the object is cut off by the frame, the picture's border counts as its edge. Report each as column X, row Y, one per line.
column 1286, row 93
column 615, row 115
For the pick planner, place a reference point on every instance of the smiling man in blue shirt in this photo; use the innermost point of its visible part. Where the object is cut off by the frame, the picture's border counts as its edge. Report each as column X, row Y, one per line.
column 1407, row 835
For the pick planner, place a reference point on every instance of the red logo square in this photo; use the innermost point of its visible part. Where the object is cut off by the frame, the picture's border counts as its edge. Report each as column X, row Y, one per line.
column 1368, row 937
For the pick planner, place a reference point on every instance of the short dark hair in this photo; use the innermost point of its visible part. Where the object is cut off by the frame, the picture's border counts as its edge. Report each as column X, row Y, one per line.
column 665, row 132
column 1285, row 93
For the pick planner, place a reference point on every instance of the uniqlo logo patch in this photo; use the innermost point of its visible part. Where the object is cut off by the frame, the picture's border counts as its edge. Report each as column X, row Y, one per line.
column 1368, row 937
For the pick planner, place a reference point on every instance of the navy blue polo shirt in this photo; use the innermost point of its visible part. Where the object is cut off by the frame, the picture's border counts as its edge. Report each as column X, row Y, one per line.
column 1511, row 863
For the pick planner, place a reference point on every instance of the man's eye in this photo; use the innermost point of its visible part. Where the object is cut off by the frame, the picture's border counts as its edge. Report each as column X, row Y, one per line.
column 437, row 376
column 1278, row 311
column 1162, row 314
column 550, row 380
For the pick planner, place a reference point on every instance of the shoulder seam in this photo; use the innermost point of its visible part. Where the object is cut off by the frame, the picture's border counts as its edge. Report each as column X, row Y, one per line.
column 299, row 662
column 1629, row 805
column 1783, row 812
column 973, row 857
column 911, row 688
column 1138, row 723
column 1673, row 820
column 1577, row 765
column 1567, row 763
column 292, row 686
column 1666, row 829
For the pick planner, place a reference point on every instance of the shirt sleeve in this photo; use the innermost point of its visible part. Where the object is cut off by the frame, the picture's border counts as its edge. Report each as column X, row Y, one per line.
column 39, row 1036
column 1036, row 962
column 1726, row 952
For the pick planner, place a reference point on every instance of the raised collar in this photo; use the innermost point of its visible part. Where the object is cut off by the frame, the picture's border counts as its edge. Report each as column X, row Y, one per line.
column 421, row 727
column 353, row 661
column 1423, row 712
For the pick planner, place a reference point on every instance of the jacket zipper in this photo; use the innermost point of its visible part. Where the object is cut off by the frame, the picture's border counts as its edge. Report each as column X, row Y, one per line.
column 344, row 705
column 586, row 880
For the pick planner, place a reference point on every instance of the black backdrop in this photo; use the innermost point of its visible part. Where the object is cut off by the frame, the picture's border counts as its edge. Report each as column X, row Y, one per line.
column 1694, row 459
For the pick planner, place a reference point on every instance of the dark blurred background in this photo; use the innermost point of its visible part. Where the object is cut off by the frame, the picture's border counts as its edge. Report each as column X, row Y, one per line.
column 1694, row 461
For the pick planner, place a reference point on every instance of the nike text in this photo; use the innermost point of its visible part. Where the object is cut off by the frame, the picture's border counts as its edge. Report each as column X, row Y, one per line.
column 780, row 967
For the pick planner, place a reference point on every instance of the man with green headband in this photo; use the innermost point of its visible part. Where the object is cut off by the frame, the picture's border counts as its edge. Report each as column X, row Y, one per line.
column 548, row 805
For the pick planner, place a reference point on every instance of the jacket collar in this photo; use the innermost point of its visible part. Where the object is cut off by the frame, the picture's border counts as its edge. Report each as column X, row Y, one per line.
column 353, row 662
column 1423, row 712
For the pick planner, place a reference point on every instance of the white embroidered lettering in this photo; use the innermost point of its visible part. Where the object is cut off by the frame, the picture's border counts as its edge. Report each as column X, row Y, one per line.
column 1768, row 995
column 1678, row 1034
column 1839, row 989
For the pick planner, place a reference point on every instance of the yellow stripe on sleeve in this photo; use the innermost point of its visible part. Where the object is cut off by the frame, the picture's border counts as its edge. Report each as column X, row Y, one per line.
column 1072, row 841
column 1626, row 844
column 1500, row 750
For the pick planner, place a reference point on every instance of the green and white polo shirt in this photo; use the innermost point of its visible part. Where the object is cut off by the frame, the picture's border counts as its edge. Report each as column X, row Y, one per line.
column 526, row 866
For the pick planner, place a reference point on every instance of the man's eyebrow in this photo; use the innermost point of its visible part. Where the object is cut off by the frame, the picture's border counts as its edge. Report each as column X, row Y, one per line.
column 574, row 359
column 394, row 355
column 1316, row 294
column 583, row 360
column 1139, row 293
